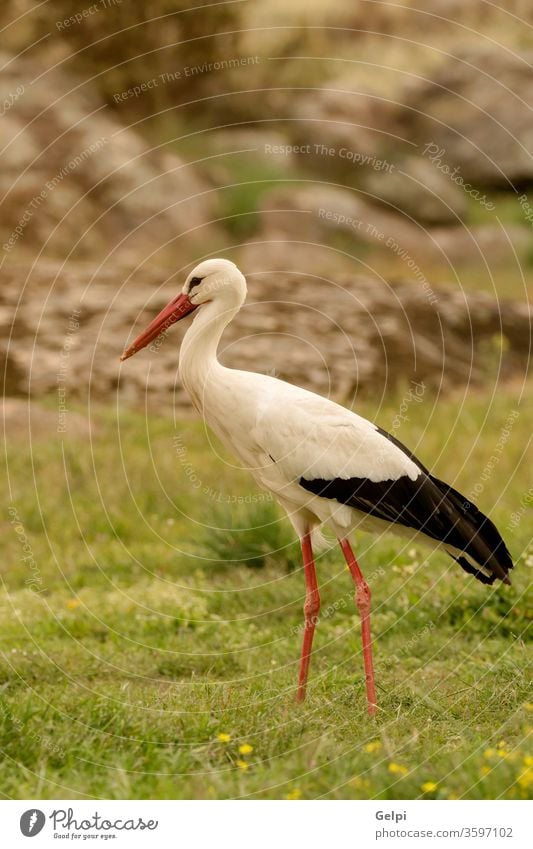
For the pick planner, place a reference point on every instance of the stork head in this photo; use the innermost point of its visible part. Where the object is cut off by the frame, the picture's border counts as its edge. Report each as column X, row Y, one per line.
column 213, row 281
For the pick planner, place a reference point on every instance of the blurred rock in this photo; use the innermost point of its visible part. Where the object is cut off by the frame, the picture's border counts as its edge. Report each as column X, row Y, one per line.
column 486, row 243
column 74, row 180
column 348, row 128
column 341, row 227
column 336, row 334
column 477, row 109
column 469, row 121
column 313, row 211
column 415, row 187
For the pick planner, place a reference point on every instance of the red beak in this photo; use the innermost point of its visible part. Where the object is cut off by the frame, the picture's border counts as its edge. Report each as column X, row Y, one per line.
column 174, row 311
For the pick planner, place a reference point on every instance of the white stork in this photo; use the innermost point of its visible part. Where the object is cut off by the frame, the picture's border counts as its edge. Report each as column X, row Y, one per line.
column 323, row 463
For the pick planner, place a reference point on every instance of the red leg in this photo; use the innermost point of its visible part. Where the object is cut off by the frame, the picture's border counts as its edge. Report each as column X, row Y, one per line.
column 311, row 610
column 362, row 600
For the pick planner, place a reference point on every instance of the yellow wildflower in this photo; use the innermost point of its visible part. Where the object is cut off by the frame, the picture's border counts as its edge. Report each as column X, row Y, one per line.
column 294, row 794
column 525, row 779
column 73, row 603
column 528, row 760
column 223, row 738
column 397, row 769
column 484, row 770
column 428, row 786
column 529, row 706
column 502, row 753
column 242, row 765
column 489, row 753
column 373, row 746
column 500, row 342
column 245, row 749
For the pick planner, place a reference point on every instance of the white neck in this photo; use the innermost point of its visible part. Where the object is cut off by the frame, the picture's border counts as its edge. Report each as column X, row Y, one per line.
column 198, row 362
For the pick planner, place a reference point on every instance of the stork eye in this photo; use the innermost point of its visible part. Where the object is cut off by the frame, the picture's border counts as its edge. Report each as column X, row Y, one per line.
column 195, row 282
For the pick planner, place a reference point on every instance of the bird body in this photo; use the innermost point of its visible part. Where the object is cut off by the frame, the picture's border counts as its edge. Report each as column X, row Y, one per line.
column 326, row 465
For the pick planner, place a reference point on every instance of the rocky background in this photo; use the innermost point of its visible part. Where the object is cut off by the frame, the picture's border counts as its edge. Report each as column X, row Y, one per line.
column 350, row 335
column 368, row 167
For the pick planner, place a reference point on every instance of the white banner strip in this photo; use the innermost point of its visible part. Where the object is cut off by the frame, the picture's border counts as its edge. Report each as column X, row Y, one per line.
column 268, row 824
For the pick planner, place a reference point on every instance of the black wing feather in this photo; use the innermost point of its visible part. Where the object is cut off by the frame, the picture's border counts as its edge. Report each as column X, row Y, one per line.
column 430, row 506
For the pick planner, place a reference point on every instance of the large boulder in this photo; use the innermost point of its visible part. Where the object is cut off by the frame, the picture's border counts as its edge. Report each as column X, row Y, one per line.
column 329, row 228
column 356, row 138
column 74, row 180
column 314, row 211
column 468, row 121
column 418, row 189
column 348, row 129
column 476, row 113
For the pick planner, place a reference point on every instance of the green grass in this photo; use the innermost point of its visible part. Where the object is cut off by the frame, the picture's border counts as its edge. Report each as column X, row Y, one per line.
column 169, row 612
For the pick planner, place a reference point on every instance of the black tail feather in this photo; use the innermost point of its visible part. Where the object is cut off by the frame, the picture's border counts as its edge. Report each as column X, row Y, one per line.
column 432, row 507
column 478, row 537
column 471, row 569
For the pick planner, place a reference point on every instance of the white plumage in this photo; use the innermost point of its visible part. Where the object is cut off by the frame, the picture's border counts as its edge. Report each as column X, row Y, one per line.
column 324, row 464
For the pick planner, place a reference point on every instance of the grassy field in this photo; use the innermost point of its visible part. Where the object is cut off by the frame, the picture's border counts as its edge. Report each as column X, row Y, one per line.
column 150, row 639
